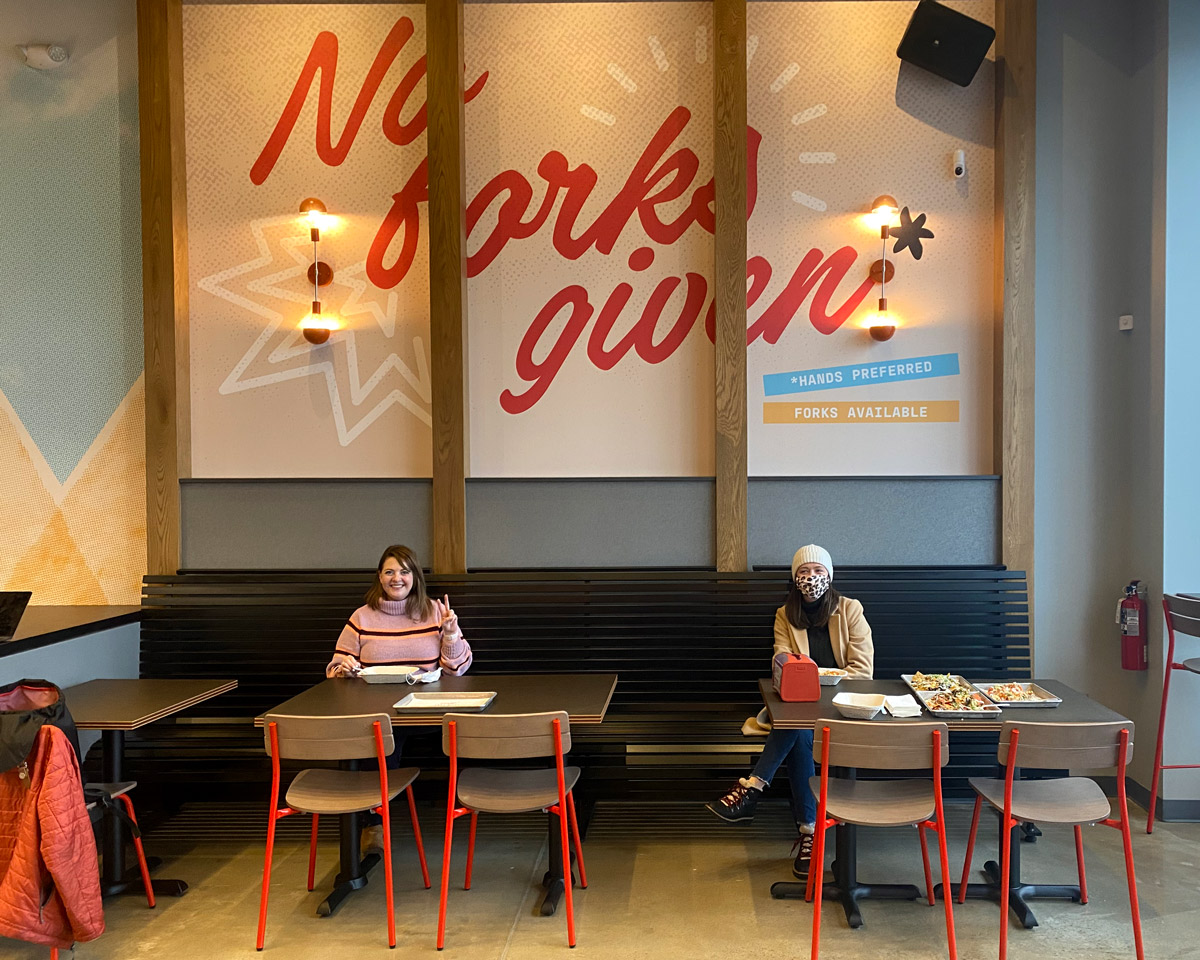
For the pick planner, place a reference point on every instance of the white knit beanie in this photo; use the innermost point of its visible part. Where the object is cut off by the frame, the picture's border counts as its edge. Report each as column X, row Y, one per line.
column 812, row 554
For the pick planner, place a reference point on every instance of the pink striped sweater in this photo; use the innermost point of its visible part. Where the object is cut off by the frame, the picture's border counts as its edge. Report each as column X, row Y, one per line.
column 388, row 636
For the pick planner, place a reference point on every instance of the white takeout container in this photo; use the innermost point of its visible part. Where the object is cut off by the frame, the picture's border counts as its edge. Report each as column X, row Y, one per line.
column 859, row 706
column 830, row 679
column 393, row 674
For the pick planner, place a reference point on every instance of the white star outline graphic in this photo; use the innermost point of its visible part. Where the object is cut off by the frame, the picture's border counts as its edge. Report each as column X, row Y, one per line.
column 295, row 346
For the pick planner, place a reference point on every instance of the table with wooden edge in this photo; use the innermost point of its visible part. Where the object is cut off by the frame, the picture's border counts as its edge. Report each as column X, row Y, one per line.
column 115, row 707
column 584, row 696
column 1076, row 707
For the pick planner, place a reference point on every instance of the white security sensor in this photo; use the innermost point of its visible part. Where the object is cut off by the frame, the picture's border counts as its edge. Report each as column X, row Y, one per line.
column 44, row 56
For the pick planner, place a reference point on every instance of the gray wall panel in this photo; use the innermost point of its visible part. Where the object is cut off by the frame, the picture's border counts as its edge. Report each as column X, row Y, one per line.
column 293, row 524
column 876, row 520
column 590, row 523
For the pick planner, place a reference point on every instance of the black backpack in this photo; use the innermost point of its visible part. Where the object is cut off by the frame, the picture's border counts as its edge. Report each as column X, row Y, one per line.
column 25, row 707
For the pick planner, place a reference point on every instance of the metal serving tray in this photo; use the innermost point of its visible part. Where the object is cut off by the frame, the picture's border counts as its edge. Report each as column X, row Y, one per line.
column 988, row 709
column 1044, row 697
column 431, row 701
column 908, row 679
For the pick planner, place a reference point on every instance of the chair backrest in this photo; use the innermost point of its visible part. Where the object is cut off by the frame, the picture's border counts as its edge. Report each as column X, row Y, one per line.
column 1183, row 614
column 506, row 736
column 328, row 738
column 881, row 746
column 1065, row 745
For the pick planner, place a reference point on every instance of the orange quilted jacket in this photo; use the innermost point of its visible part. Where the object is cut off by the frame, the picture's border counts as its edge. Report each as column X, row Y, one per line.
column 49, row 881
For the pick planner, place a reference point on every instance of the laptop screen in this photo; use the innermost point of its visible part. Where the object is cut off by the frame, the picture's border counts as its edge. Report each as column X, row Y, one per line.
column 12, row 608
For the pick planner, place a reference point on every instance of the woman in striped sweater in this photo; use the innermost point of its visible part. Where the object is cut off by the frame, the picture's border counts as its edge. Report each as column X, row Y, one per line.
column 400, row 625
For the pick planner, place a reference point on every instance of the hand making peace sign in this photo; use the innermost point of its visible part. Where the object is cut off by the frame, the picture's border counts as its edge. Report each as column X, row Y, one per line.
column 447, row 619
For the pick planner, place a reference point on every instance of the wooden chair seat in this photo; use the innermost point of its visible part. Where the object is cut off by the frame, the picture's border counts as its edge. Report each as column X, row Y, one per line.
column 878, row 803
column 1069, row 800
column 491, row 790
column 344, row 791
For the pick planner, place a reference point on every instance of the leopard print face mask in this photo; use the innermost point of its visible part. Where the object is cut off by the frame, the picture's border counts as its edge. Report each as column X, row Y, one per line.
column 813, row 586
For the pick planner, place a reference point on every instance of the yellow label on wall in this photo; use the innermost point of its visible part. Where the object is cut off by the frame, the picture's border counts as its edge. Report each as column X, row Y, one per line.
column 864, row 411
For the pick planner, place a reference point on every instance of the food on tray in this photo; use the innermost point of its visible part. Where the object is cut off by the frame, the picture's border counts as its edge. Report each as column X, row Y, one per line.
column 937, row 681
column 831, row 672
column 960, row 698
column 1011, row 692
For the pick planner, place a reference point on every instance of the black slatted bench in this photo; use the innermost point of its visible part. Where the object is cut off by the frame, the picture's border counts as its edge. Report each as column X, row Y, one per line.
column 688, row 646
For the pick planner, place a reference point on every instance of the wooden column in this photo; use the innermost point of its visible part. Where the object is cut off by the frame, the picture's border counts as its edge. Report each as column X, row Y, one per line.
column 447, row 281
column 729, row 169
column 1016, row 55
column 164, row 275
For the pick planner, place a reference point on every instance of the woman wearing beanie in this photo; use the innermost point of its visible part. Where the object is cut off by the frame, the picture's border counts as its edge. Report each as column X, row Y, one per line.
column 399, row 625
column 820, row 623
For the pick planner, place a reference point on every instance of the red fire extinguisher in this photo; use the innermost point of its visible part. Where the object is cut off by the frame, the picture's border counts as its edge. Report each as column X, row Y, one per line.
column 1131, row 615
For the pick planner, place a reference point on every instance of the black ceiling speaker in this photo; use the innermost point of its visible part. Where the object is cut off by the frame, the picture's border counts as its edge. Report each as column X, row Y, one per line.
column 945, row 42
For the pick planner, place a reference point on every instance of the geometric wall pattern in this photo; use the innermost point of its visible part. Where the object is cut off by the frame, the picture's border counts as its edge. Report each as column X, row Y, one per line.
column 81, row 541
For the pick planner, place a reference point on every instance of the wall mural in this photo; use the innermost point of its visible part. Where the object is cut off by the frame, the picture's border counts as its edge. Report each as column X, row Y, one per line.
column 589, row 186
column 72, row 438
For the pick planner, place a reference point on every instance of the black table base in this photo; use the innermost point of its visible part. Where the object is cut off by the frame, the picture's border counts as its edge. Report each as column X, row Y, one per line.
column 354, row 866
column 114, row 877
column 553, row 882
column 845, row 887
column 1019, row 892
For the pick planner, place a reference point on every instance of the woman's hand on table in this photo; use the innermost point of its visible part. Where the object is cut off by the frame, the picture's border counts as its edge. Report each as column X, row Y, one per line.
column 447, row 619
column 349, row 667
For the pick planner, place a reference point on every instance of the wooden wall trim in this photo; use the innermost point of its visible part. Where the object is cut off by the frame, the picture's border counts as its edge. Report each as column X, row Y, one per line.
column 447, row 281
column 729, row 172
column 1016, row 97
column 164, row 275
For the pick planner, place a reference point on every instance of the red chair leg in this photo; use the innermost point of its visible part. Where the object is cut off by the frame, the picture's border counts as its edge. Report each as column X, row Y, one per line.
column 471, row 849
column 266, row 884
column 387, row 873
column 925, row 863
column 962, row 887
column 944, row 858
column 441, row 934
column 416, row 825
column 578, row 845
column 1005, row 850
column 137, row 848
column 1131, row 878
column 568, row 880
column 54, row 953
column 1083, row 897
column 817, row 866
column 312, row 852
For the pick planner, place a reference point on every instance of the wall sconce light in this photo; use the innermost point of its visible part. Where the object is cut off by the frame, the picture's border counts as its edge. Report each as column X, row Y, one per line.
column 315, row 327
column 881, row 325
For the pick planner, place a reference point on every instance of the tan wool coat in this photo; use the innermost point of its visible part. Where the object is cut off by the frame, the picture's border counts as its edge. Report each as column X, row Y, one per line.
column 849, row 634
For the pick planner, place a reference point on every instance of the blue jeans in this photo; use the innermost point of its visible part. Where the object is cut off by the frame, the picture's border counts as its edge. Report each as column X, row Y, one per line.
column 793, row 749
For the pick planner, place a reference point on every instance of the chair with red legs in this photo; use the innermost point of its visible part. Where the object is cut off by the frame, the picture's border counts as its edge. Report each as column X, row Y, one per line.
column 476, row 790
column 1182, row 615
column 880, row 803
column 319, row 791
column 1077, row 801
column 120, row 793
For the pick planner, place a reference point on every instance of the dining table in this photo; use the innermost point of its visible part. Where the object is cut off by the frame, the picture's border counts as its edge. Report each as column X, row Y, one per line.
column 1076, row 707
column 584, row 696
column 116, row 707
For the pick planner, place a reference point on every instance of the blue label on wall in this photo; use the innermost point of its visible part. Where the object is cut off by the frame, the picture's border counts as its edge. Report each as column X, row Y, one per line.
column 860, row 374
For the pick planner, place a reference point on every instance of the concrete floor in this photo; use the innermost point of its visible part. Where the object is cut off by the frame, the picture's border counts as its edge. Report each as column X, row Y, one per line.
column 666, row 881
